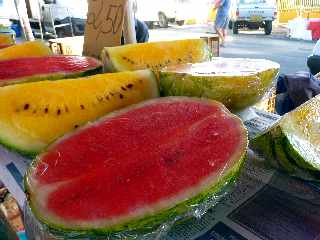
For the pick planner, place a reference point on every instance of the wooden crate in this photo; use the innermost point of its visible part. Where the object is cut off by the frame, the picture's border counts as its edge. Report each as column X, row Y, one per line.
column 213, row 43
column 67, row 46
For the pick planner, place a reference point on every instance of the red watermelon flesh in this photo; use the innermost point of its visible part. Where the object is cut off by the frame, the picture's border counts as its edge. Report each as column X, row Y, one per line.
column 136, row 162
column 49, row 67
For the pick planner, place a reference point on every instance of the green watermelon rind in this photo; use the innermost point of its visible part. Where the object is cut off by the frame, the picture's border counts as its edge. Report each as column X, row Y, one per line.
column 15, row 148
column 31, row 154
column 276, row 147
column 148, row 222
column 56, row 76
column 235, row 99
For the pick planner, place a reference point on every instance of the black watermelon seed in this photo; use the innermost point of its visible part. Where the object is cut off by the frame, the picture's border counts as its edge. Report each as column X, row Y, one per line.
column 46, row 110
column 123, row 88
column 81, row 106
column 121, row 96
column 26, row 106
column 76, row 126
column 107, row 97
column 111, row 94
column 129, row 85
column 179, row 60
column 58, row 111
column 67, row 109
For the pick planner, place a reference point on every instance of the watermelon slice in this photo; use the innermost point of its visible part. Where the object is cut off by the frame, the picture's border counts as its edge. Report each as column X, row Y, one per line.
column 236, row 82
column 6, row 39
column 25, row 50
column 293, row 143
column 48, row 67
column 29, row 121
column 137, row 168
column 5, row 45
column 154, row 55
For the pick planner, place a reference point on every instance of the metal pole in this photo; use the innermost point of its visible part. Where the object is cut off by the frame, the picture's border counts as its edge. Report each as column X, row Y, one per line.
column 129, row 30
column 40, row 20
column 24, row 19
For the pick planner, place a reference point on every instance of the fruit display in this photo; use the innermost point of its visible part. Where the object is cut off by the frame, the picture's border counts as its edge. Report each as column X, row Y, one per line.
column 32, row 115
column 136, row 168
column 47, row 68
column 293, row 143
column 154, row 55
column 237, row 83
column 26, row 49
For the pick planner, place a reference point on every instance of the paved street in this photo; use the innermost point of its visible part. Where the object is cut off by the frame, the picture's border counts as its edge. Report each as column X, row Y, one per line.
column 291, row 54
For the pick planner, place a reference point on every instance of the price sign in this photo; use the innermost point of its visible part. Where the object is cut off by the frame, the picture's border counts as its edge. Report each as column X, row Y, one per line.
column 104, row 25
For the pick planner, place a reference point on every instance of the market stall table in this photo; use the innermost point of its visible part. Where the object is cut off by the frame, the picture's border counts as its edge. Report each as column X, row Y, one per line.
column 264, row 204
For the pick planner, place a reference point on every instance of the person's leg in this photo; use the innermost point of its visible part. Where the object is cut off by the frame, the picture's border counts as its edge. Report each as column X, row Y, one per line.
column 220, row 34
column 221, row 26
column 224, row 33
column 218, row 25
column 314, row 64
column 224, row 27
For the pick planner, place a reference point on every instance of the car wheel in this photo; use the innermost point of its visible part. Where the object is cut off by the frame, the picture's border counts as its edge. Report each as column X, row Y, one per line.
column 230, row 25
column 235, row 28
column 268, row 27
column 163, row 21
column 149, row 24
column 180, row 22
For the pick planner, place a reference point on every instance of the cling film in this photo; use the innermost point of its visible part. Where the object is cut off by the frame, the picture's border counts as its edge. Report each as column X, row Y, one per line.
column 242, row 211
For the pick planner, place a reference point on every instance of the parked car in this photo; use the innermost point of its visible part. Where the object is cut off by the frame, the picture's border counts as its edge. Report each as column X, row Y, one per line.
column 162, row 12
column 253, row 14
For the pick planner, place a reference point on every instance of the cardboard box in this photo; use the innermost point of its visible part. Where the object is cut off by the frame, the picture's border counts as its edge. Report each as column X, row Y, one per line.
column 67, row 46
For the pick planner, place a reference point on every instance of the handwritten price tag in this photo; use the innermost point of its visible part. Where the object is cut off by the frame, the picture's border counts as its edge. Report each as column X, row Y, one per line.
column 104, row 25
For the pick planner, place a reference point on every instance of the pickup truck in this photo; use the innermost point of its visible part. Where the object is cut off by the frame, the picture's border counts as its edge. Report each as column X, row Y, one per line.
column 253, row 14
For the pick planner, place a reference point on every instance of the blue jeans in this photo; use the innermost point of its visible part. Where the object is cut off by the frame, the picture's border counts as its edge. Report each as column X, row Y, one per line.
column 142, row 32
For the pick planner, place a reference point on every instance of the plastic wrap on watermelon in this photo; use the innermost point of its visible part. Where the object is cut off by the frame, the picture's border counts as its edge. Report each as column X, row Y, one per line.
column 238, row 83
column 37, row 230
column 136, row 173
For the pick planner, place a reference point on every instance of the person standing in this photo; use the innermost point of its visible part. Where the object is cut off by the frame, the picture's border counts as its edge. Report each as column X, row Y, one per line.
column 222, row 18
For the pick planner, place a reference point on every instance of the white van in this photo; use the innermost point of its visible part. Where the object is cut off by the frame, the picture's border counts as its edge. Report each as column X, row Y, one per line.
column 161, row 12
column 65, row 8
column 63, row 14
